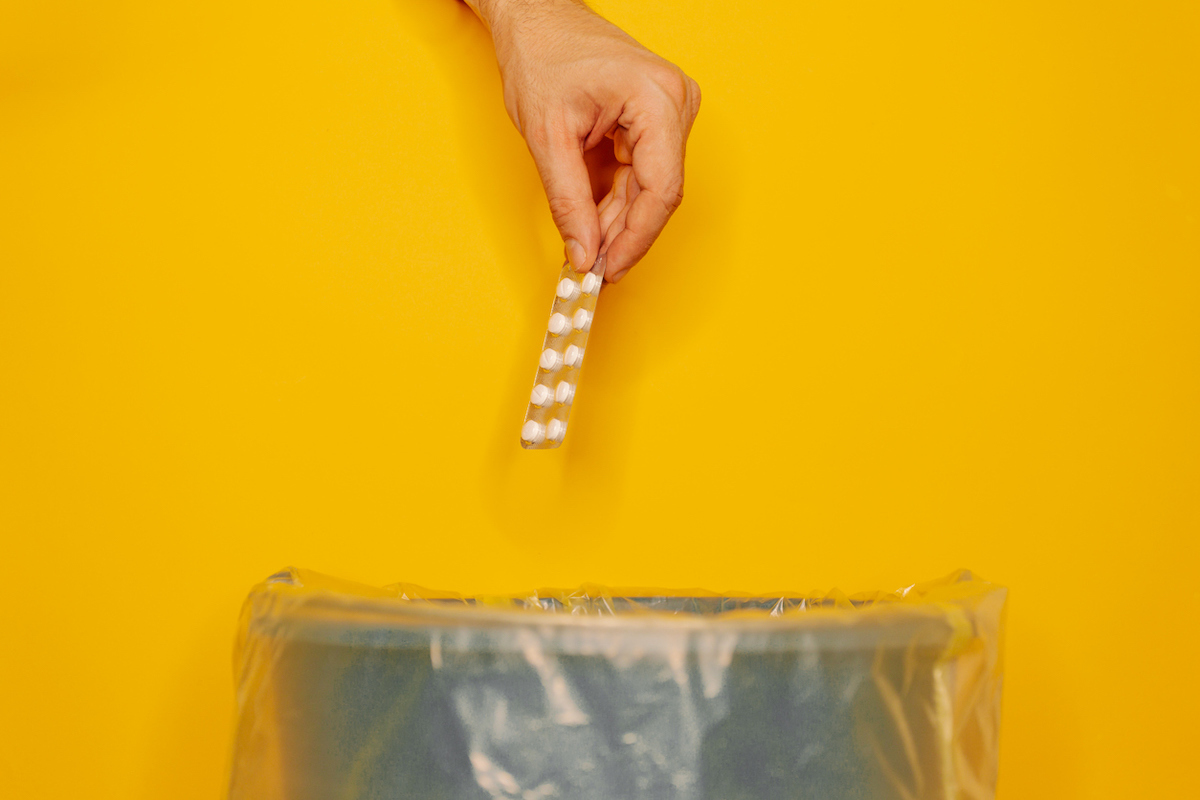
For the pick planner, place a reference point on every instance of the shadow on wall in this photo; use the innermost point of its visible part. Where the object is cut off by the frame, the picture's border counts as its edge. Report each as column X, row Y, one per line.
column 642, row 326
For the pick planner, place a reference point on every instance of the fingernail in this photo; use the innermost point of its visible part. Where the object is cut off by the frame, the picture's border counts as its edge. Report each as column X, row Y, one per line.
column 575, row 254
column 616, row 278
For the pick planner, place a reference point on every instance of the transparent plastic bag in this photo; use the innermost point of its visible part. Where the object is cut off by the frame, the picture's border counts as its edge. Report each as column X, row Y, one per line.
column 347, row 691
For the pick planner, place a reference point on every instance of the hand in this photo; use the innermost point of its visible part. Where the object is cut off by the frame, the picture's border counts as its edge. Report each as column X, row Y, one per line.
column 573, row 80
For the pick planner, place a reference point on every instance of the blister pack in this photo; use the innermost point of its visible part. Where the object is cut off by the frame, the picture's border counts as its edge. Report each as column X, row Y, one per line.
column 557, row 377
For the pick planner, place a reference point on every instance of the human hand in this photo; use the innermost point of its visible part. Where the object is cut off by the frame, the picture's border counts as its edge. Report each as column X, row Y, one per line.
column 573, row 80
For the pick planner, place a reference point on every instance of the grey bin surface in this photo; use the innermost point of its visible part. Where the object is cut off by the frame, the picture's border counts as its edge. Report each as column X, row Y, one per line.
column 350, row 698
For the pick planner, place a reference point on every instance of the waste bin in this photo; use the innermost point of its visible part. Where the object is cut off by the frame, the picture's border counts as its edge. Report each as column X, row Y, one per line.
column 352, row 692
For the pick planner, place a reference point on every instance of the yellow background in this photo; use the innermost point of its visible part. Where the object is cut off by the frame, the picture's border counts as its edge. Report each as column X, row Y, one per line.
column 273, row 278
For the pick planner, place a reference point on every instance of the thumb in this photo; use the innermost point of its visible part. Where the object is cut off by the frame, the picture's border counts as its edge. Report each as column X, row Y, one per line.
column 569, row 190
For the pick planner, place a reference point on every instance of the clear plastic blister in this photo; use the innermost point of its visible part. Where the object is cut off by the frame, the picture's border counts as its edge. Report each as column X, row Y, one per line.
column 557, row 379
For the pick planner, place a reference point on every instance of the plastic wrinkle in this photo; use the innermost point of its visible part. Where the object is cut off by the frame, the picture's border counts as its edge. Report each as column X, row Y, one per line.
column 358, row 692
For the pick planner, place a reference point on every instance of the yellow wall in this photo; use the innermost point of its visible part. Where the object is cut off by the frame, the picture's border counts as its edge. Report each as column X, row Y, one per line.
column 273, row 278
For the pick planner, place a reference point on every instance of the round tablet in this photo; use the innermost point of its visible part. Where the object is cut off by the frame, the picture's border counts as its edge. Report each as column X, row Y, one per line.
column 582, row 320
column 556, row 429
column 573, row 357
column 559, row 324
column 532, row 432
column 591, row 283
column 541, row 395
column 564, row 393
column 568, row 289
column 550, row 360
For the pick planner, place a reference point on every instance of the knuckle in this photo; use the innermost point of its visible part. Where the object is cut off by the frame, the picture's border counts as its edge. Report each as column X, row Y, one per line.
column 678, row 88
column 562, row 207
column 694, row 94
column 538, row 137
column 542, row 131
column 672, row 196
column 671, row 81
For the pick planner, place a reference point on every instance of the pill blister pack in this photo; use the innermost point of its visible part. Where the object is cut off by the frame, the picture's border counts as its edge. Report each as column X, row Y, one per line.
column 557, row 376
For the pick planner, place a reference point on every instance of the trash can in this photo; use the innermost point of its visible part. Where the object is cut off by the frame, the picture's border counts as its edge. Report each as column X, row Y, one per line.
column 351, row 692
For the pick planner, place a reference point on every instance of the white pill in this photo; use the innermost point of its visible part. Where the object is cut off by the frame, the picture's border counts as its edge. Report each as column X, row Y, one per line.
column 573, row 357
column 564, row 393
column 533, row 432
column 541, row 395
column 559, row 324
column 556, row 429
column 582, row 320
column 551, row 360
column 591, row 283
column 568, row 289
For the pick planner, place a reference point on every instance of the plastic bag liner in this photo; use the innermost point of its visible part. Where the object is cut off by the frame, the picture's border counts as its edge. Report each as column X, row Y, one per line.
column 347, row 692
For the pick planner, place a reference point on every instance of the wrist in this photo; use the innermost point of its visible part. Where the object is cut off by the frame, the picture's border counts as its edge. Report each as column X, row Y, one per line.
column 505, row 19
